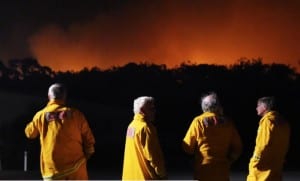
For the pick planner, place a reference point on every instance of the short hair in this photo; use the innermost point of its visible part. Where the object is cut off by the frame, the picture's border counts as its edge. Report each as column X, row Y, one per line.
column 210, row 103
column 57, row 91
column 268, row 101
column 139, row 102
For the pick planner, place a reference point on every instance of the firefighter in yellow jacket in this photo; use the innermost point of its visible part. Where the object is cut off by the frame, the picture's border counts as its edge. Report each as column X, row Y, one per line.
column 65, row 137
column 143, row 158
column 213, row 140
column 272, row 142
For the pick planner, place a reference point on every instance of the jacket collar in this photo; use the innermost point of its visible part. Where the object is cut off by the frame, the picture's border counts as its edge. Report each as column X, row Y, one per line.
column 56, row 101
column 140, row 117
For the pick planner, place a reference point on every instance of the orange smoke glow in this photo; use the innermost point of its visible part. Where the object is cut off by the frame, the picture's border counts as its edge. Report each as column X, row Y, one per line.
column 170, row 33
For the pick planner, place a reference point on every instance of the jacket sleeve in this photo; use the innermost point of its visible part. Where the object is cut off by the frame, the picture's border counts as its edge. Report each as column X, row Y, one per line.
column 190, row 140
column 31, row 129
column 263, row 139
column 88, row 139
column 152, row 151
column 236, row 145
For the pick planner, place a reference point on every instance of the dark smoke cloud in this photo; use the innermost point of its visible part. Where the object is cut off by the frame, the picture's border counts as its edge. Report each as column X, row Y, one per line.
column 170, row 32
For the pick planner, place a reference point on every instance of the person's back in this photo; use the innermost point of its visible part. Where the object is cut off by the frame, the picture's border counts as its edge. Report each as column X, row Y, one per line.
column 279, row 142
column 136, row 165
column 271, row 145
column 66, row 140
column 143, row 157
column 217, row 134
column 215, row 142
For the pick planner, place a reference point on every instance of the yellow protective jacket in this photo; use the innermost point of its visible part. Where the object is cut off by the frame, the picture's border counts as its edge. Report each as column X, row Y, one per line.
column 272, row 142
column 65, row 137
column 143, row 158
column 215, row 143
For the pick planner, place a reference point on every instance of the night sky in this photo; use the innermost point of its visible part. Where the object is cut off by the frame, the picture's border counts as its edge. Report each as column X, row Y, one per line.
column 70, row 35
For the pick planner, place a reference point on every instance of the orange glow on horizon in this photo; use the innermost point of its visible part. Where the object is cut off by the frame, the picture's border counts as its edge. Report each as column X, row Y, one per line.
column 172, row 34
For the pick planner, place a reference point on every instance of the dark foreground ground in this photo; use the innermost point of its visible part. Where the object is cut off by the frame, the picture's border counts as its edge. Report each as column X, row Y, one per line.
column 108, row 175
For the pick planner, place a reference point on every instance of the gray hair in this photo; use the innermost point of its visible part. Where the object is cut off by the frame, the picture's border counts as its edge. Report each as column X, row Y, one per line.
column 140, row 102
column 269, row 102
column 57, row 91
column 210, row 103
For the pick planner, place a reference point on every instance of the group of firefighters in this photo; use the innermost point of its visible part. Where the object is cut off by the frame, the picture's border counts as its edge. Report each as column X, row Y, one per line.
column 67, row 141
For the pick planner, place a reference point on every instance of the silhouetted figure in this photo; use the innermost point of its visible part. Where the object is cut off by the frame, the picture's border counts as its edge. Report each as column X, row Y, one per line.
column 213, row 140
column 272, row 142
column 65, row 137
column 143, row 158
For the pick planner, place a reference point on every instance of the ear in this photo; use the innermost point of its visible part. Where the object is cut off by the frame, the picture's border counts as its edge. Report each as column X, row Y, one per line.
column 143, row 110
column 264, row 106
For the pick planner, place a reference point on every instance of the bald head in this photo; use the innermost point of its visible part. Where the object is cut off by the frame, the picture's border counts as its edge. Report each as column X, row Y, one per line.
column 210, row 103
column 57, row 91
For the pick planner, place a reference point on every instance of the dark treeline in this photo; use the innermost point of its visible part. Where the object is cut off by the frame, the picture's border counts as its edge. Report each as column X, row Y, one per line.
column 106, row 96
